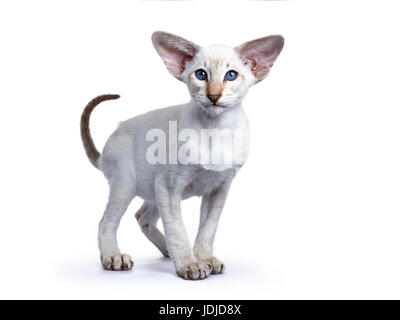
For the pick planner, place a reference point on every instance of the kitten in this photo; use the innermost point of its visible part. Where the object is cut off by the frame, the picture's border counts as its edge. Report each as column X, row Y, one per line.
column 218, row 78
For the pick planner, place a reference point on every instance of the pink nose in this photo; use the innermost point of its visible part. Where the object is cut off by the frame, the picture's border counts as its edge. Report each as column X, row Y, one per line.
column 214, row 97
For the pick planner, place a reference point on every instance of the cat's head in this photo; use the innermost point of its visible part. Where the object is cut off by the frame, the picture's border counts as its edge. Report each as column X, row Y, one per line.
column 218, row 77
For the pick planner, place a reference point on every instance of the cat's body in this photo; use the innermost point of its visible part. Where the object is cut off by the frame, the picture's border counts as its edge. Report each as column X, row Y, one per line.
column 133, row 132
column 215, row 105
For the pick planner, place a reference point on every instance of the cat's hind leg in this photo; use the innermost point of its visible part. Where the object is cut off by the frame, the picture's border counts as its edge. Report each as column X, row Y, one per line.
column 122, row 191
column 147, row 217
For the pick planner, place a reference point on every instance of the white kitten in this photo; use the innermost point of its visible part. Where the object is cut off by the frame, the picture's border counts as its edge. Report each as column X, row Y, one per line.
column 218, row 78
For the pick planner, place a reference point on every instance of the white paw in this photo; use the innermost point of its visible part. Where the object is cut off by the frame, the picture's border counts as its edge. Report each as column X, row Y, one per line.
column 194, row 271
column 117, row 262
column 216, row 266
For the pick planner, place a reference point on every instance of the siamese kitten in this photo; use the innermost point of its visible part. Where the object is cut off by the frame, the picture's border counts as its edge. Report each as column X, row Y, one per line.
column 218, row 78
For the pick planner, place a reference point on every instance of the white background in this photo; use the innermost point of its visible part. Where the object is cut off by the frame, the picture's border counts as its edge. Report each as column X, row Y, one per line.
column 314, row 213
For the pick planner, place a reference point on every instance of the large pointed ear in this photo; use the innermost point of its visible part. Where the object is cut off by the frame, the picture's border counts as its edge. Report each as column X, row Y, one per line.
column 260, row 54
column 175, row 51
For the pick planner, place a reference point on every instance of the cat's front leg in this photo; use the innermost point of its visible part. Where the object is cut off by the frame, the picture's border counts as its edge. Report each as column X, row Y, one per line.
column 211, row 209
column 169, row 204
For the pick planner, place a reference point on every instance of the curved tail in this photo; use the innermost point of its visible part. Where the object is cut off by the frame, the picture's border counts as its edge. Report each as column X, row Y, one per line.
column 91, row 151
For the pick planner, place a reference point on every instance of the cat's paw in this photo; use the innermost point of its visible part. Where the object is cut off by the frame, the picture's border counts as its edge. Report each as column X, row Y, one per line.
column 194, row 271
column 217, row 267
column 117, row 262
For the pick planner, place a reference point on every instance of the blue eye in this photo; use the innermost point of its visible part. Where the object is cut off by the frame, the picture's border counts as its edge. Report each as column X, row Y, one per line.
column 201, row 74
column 231, row 75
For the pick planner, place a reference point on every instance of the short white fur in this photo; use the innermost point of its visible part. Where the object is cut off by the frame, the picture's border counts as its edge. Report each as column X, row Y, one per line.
column 164, row 186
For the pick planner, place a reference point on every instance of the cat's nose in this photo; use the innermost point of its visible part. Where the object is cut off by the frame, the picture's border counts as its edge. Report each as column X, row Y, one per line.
column 214, row 97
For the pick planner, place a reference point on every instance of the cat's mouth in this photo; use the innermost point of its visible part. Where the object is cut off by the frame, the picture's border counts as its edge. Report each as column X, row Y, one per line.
column 215, row 105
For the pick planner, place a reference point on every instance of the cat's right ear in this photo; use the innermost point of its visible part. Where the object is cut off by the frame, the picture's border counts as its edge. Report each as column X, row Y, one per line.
column 175, row 51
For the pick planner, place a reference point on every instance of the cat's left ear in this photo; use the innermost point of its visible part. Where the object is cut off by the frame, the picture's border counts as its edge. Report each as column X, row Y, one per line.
column 260, row 54
column 175, row 51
